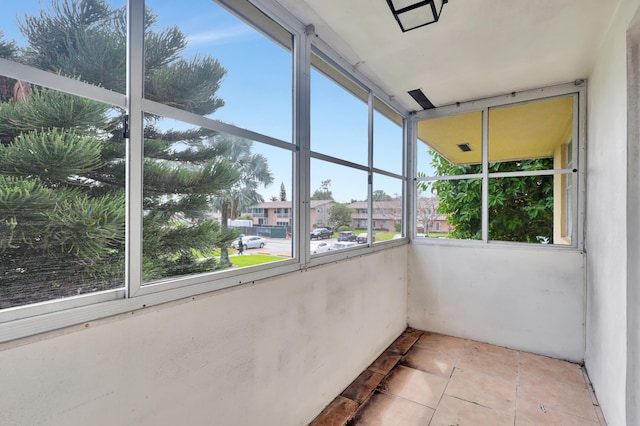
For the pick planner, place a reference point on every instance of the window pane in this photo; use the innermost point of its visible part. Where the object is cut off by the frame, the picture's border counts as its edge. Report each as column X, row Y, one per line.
column 387, row 139
column 204, row 60
column 450, row 146
column 521, row 209
column 62, row 202
column 339, row 115
column 200, row 191
column 334, row 190
column 86, row 43
column 450, row 209
column 531, row 136
column 387, row 207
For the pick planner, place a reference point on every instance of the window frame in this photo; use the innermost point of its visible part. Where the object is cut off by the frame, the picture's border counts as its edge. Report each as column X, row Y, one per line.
column 21, row 321
column 577, row 90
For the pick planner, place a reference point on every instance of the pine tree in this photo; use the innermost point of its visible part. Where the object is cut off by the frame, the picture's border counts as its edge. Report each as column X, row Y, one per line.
column 62, row 159
column 283, row 192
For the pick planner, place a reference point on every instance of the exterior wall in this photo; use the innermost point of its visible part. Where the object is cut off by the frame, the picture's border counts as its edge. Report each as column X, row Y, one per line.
column 606, row 351
column 523, row 298
column 243, row 356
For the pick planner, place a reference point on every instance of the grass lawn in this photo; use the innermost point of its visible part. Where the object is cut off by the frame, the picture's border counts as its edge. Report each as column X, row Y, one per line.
column 385, row 236
column 253, row 259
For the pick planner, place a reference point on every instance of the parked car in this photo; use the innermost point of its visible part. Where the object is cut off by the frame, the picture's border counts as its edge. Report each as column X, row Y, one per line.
column 250, row 242
column 346, row 236
column 362, row 238
column 321, row 233
column 319, row 247
column 343, row 245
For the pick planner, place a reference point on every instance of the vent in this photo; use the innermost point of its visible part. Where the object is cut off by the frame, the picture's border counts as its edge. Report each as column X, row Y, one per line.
column 421, row 99
column 464, row 147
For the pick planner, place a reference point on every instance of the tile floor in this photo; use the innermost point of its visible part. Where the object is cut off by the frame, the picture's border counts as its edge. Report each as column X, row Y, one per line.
column 431, row 379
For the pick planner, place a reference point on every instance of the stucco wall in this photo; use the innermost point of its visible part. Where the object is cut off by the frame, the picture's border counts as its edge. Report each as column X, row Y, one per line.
column 522, row 298
column 272, row 353
column 605, row 356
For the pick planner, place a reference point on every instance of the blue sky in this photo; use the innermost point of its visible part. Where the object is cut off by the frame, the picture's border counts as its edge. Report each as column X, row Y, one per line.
column 257, row 94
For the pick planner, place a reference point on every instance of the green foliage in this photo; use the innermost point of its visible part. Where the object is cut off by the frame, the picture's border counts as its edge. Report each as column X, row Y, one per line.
column 344, row 228
column 283, row 192
column 323, row 193
column 48, row 109
column 63, row 168
column 55, row 156
column 380, row 195
column 520, row 208
column 398, row 227
column 339, row 215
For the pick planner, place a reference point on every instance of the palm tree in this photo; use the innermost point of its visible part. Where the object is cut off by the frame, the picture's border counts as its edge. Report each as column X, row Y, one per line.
column 254, row 172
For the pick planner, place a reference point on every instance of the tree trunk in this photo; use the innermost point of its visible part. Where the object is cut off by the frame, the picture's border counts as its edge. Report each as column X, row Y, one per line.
column 224, row 251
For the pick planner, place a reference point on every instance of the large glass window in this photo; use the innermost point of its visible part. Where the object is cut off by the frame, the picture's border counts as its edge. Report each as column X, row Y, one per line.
column 449, row 190
column 201, row 189
column 83, row 40
column 529, row 173
column 204, row 60
column 340, row 142
column 173, row 166
column 62, row 156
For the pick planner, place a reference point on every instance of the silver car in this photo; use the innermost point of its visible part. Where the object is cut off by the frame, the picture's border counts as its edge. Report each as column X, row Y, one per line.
column 250, row 242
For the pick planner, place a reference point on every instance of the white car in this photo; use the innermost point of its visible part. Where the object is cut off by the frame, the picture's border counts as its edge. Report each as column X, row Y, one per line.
column 343, row 245
column 319, row 247
column 250, row 242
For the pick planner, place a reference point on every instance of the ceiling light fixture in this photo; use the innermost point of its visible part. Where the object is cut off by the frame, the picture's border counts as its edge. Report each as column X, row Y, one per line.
column 412, row 14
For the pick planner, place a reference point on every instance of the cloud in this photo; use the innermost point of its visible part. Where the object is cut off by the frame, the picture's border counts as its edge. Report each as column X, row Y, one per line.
column 220, row 35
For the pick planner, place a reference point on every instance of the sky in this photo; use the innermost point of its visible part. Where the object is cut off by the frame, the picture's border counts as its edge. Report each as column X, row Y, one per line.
column 257, row 91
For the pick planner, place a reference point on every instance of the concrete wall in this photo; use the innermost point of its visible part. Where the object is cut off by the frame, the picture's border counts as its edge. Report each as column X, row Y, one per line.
column 272, row 353
column 606, row 352
column 521, row 298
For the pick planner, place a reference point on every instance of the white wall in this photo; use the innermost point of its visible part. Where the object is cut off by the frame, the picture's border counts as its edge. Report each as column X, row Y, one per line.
column 605, row 356
column 522, row 298
column 272, row 353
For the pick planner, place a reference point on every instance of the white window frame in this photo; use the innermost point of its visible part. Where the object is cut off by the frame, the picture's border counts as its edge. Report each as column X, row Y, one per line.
column 576, row 89
column 22, row 321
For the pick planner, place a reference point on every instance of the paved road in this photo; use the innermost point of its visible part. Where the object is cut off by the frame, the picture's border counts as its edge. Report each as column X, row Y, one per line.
column 277, row 246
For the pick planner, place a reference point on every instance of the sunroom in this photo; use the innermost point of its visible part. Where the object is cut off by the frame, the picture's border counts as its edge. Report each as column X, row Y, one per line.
column 136, row 135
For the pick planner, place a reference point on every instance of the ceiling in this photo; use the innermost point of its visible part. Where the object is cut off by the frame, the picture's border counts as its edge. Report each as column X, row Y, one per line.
column 478, row 49
column 517, row 132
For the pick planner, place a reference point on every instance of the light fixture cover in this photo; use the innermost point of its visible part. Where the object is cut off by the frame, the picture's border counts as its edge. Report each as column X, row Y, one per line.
column 412, row 14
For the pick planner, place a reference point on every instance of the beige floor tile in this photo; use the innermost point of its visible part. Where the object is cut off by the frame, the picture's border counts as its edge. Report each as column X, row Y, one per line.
column 362, row 386
column 532, row 414
column 557, row 396
column 385, row 362
column 440, row 364
column 555, row 369
column 489, row 391
column 454, row 411
column 403, row 343
column 390, row 410
column 337, row 413
column 506, row 354
column 490, row 360
column 452, row 346
column 414, row 385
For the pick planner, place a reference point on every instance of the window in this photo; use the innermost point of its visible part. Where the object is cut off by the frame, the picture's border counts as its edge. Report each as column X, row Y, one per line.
column 339, row 144
column 510, row 179
column 62, row 174
column 155, row 180
column 388, row 171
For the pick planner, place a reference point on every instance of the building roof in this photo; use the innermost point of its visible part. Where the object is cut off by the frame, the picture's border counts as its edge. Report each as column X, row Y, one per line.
column 287, row 204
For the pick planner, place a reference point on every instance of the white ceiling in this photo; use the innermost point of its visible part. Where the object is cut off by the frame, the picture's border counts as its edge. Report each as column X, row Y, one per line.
column 478, row 49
